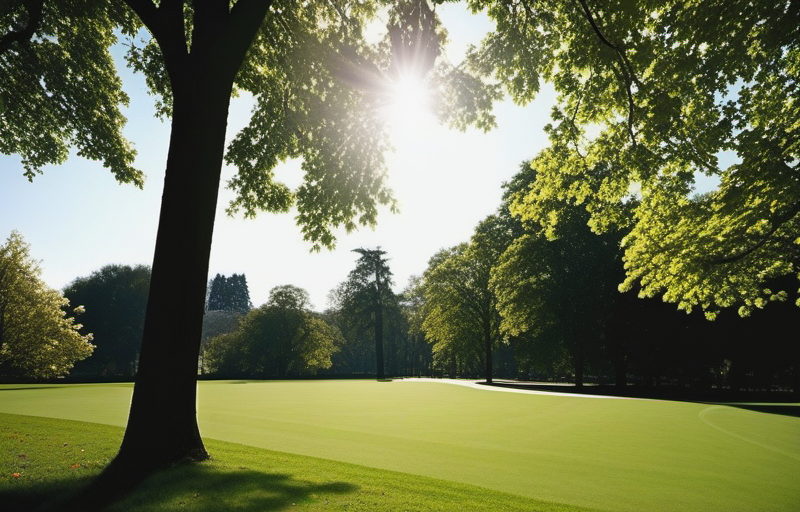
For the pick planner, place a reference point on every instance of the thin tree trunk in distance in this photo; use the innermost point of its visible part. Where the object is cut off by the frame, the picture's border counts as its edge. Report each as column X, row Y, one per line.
column 487, row 340
column 579, row 369
column 380, row 373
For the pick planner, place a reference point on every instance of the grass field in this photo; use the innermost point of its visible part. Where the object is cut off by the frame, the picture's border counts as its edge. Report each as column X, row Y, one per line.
column 606, row 454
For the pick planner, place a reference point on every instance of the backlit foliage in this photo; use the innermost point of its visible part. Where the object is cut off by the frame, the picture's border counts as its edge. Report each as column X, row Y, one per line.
column 653, row 94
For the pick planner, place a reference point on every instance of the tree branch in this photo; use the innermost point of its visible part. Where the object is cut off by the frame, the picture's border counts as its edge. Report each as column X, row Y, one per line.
column 597, row 31
column 23, row 35
column 166, row 24
column 776, row 225
column 244, row 20
column 146, row 11
column 626, row 68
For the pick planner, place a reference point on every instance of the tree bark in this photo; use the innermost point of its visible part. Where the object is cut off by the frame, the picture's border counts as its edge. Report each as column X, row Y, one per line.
column 163, row 420
column 162, row 424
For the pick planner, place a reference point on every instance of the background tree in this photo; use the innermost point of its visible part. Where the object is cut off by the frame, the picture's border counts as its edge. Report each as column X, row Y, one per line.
column 560, row 290
column 229, row 294
column 227, row 355
column 281, row 338
column 558, row 286
column 367, row 292
column 447, row 320
column 418, row 351
column 352, row 310
column 219, row 322
column 216, row 323
column 651, row 98
column 115, row 298
column 461, row 318
column 37, row 339
column 357, row 352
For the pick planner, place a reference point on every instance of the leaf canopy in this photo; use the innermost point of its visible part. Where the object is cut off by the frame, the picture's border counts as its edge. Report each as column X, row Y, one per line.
column 653, row 94
column 316, row 80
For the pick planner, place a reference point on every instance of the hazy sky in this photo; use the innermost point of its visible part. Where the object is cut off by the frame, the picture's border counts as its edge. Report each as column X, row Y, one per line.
column 77, row 218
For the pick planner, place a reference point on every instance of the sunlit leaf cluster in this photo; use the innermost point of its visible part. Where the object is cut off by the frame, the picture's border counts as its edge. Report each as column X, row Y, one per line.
column 653, row 94
column 58, row 86
column 317, row 82
column 37, row 339
column 297, row 71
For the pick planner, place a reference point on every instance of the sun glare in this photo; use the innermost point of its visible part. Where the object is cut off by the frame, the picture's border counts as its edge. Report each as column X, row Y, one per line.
column 409, row 109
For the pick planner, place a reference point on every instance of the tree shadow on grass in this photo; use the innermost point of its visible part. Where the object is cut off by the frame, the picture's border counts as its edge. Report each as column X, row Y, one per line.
column 25, row 496
column 203, row 488
column 782, row 409
column 199, row 487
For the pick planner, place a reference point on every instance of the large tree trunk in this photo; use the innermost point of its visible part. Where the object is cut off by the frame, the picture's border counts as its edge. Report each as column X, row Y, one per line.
column 163, row 420
column 162, row 424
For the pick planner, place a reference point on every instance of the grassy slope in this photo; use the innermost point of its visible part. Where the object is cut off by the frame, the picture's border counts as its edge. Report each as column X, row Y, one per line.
column 608, row 454
column 45, row 460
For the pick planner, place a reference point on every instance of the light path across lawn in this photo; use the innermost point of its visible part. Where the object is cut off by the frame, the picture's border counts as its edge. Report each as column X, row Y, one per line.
column 767, row 443
column 476, row 384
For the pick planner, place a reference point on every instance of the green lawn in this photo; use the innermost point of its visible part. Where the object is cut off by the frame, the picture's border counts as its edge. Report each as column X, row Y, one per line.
column 47, row 460
column 608, row 454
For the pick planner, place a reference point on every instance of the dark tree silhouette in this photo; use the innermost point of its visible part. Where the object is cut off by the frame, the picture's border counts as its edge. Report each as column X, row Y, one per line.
column 229, row 294
column 115, row 298
column 367, row 291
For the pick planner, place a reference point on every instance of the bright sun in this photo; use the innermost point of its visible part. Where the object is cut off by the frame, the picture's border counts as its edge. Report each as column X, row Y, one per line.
column 409, row 110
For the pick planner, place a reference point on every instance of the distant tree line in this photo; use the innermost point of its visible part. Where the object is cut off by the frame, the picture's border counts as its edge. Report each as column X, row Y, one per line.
column 516, row 301
column 280, row 339
column 538, row 301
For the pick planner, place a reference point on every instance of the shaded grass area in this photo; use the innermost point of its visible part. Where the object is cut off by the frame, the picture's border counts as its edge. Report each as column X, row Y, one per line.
column 45, row 461
column 776, row 402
